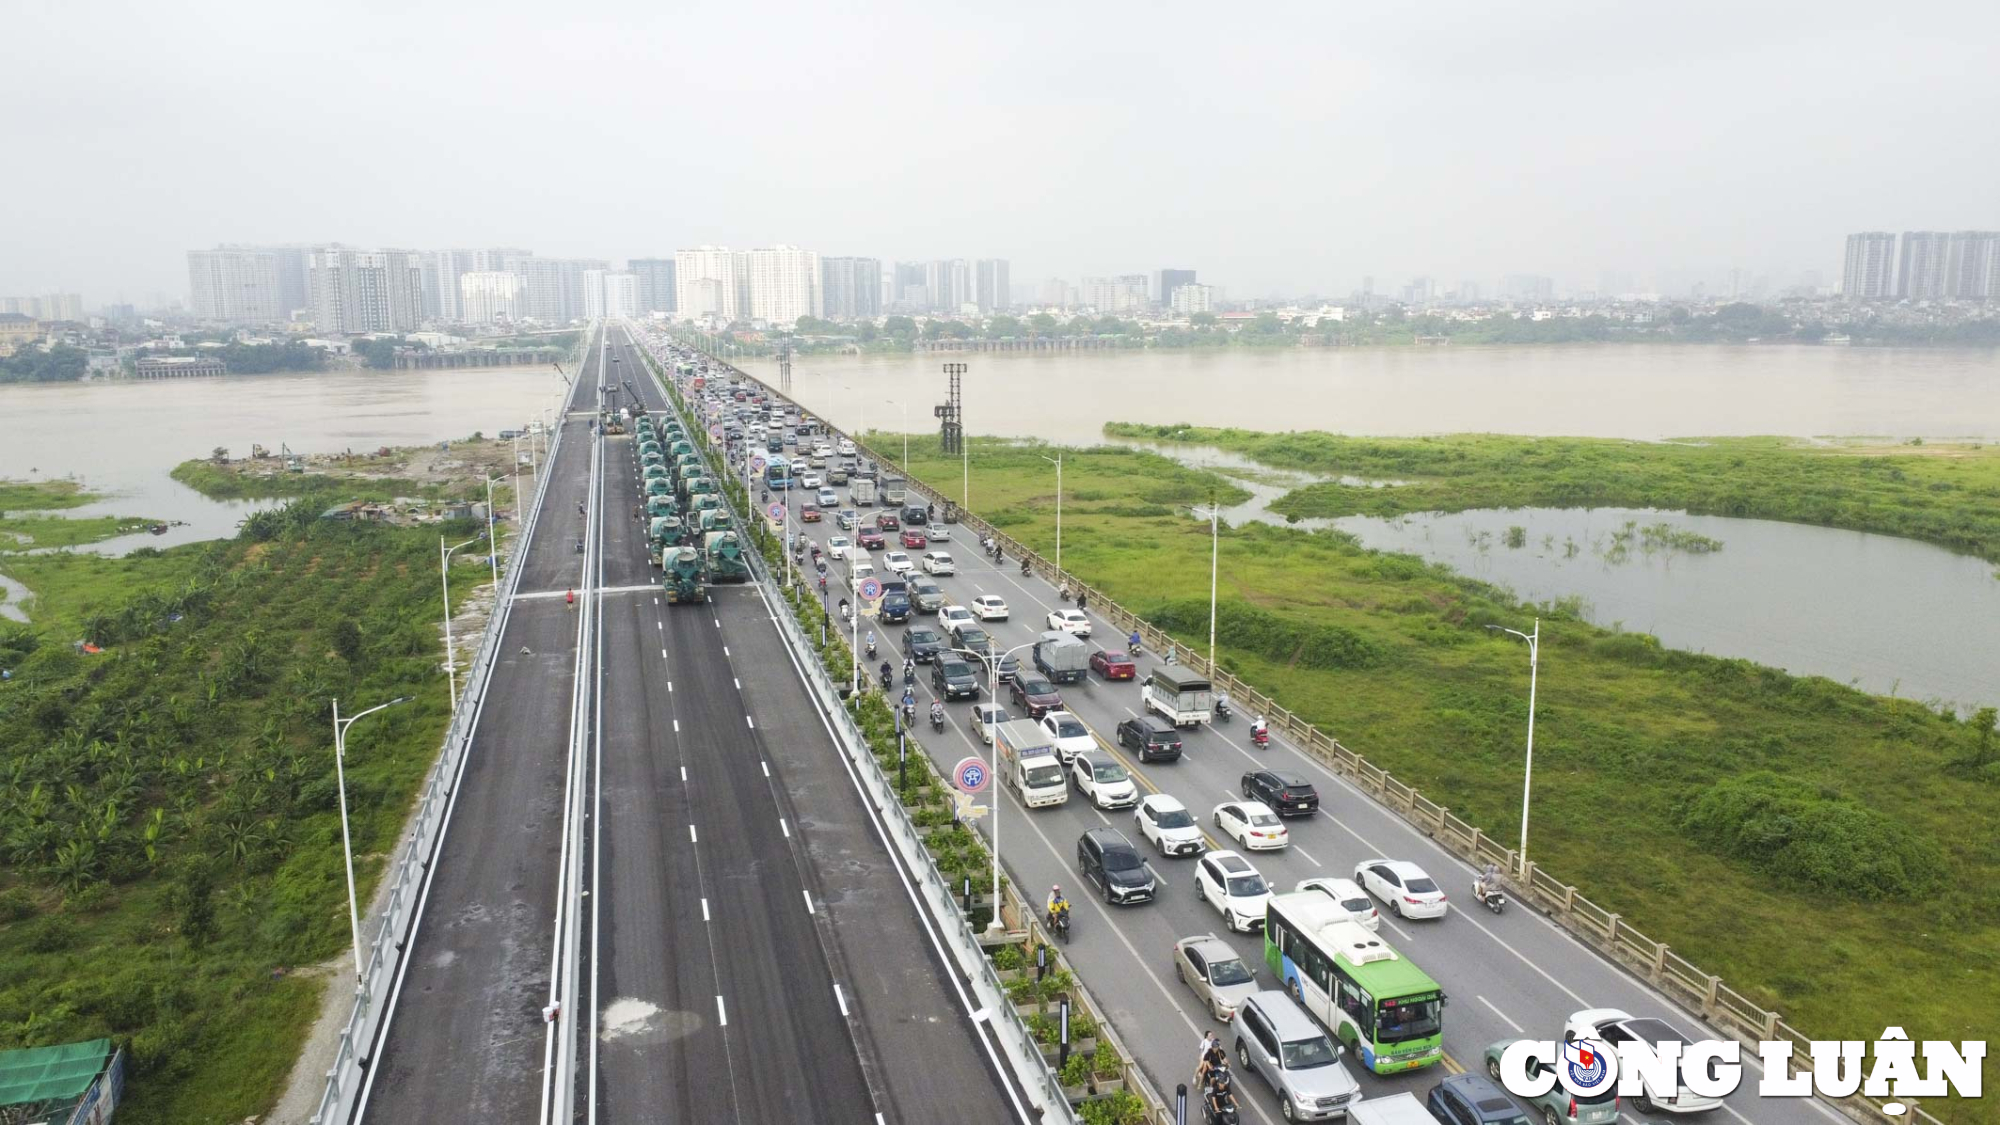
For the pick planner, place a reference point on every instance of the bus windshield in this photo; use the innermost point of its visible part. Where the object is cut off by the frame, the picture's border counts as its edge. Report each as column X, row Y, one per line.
column 1398, row 1021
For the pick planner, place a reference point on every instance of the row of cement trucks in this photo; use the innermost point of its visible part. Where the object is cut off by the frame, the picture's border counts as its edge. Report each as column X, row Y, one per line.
column 690, row 535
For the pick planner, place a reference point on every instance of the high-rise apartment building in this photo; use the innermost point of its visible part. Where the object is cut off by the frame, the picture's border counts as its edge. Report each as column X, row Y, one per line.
column 619, row 293
column 1056, row 293
column 990, row 287
column 1164, row 284
column 948, row 283
column 1125, row 293
column 784, row 284
column 235, row 284
column 1190, row 298
column 486, row 296
column 655, row 282
column 850, row 288
column 1526, row 287
column 1869, row 273
column 909, row 288
column 887, row 282
column 593, row 294
column 359, row 291
column 1920, row 269
column 443, row 268
column 712, row 281
column 1972, row 265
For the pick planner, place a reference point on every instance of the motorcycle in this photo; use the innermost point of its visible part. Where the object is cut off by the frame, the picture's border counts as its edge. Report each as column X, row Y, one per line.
column 1026, row 567
column 1063, row 592
column 888, row 681
column 1059, row 925
column 1261, row 737
column 1228, row 1116
column 871, row 649
column 1223, row 711
column 937, row 721
column 1489, row 897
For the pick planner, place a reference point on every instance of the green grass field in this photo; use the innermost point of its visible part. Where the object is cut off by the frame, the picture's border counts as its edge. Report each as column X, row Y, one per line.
column 1947, row 494
column 1650, row 764
column 168, row 824
column 25, row 524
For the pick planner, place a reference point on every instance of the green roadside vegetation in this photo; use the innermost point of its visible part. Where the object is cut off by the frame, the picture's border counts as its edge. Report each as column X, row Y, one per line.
column 169, row 835
column 1942, row 493
column 1825, row 851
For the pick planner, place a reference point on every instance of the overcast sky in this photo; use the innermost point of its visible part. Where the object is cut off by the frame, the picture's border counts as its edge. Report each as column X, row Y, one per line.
column 1271, row 148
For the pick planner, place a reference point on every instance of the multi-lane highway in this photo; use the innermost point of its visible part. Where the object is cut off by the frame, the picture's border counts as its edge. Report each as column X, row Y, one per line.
column 1514, row 975
column 734, row 898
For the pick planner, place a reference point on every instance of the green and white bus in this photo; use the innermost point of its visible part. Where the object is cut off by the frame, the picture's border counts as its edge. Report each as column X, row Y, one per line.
column 1388, row 1012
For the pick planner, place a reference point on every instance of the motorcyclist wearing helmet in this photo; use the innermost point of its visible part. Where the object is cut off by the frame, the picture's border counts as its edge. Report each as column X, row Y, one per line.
column 1220, row 1100
column 1058, row 908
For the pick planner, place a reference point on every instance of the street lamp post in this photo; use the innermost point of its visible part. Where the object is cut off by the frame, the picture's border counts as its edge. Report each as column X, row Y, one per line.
column 993, row 663
column 1534, row 640
column 1057, row 461
column 340, row 726
column 1214, row 569
column 906, row 432
column 492, row 540
column 444, row 579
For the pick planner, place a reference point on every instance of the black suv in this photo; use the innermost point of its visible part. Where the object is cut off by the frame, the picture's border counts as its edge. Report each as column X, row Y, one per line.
column 1156, row 740
column 1288, row 794
column 1473, row 1099
column 914, row 515
column 953, row 678
column 1108, row 861
column 922, row 645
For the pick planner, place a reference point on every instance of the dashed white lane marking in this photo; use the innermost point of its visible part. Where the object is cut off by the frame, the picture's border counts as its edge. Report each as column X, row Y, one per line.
column 840, row 1000
column 692, row 838
column 751, row 721
column 1501, row 1014
column 725, row 650
column 677, row 726
column 737, row 682
column 721, row 1013
column 782, row 827
column 809, row 905
column 767, row 768
column 663, row 654
column 1309, row 858
column 684, row 775
column 670, row 687
column 704, row 910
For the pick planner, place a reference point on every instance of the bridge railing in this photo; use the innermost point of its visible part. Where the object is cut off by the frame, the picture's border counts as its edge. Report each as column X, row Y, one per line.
column 1729, row 1011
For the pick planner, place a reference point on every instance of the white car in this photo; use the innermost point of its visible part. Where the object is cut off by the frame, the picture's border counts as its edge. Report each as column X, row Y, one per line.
column 828, row 498
column 939, row 562
column 936, row 532
column 1349, row 895
column 1069, row 734
column 952, row 616
column 1615, row 1026
column 1403, row 885
column 1168, row 824
column 898, row 562
column 838, row 545
column 986, row 717
column 1252, row 825
column 810, row 480
column 846, row 448
column 990, row 607
column 1228, row 882
column 1098, row 776
column 1071, row 621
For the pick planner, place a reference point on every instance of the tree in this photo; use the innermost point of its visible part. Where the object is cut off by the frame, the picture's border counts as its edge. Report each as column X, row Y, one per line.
column 1203, row 320
column 1043, row 323
column 1003, row 325
column 347, row 640
column 899, row 326
column 219, row 455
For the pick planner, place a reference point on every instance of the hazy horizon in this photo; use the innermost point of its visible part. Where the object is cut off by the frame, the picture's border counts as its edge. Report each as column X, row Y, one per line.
column 1292, row 152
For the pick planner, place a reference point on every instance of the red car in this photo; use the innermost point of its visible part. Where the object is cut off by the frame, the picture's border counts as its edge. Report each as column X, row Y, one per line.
column 1113, row 664
column 809, row 514
column 914, row 540
column 886, row 523
column 870, row 539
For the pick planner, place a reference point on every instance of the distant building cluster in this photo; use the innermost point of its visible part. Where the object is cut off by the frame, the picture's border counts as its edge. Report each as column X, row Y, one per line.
column 52, row 306
column 1928, row 265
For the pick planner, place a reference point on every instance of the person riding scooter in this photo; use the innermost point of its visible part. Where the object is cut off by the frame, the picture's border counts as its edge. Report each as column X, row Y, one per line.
column 1058, row 910
column 871, row 647
column 937, row 715
column 1260, row 731
column 1219, row 1102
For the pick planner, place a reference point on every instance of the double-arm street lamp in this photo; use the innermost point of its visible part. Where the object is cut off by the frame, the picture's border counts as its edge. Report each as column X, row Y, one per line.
column 340, row 726
column 993, row 663
column 1534, row 640
column 1057, row 461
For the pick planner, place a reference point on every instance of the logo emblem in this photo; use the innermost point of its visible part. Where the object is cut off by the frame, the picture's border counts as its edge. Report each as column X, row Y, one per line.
column 1587, row 1067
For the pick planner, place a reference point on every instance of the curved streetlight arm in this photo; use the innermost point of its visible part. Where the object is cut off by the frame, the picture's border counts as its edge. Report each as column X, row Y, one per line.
column 1528, row 770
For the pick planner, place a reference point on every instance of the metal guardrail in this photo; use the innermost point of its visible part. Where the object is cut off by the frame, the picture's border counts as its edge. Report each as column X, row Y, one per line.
column 1651, row 961
column 361, row 1036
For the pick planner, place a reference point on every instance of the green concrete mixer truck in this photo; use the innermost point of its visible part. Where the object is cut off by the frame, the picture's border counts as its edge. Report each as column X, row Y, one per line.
column 725, row 558
column 684, row 578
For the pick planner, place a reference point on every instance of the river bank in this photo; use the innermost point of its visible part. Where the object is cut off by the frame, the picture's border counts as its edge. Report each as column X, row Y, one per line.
column 1392, row 655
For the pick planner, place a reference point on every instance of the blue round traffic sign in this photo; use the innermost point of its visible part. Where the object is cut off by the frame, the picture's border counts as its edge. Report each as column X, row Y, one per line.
column 870, row 589
column 775, row 511
column 757, row 464
column 970, row 774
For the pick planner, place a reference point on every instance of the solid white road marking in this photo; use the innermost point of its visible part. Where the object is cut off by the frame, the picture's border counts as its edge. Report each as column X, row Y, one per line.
column 1309, row 858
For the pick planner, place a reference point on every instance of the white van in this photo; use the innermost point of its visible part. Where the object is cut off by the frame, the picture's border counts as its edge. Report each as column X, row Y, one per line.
column 859, row 571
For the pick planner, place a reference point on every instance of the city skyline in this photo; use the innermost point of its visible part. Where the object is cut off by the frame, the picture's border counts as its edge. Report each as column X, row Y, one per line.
column 1547, row 143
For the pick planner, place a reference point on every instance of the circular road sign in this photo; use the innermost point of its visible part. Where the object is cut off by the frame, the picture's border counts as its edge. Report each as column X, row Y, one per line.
column 775, row 511
column 757, row 464
column 870, row 589
column 970, row 773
